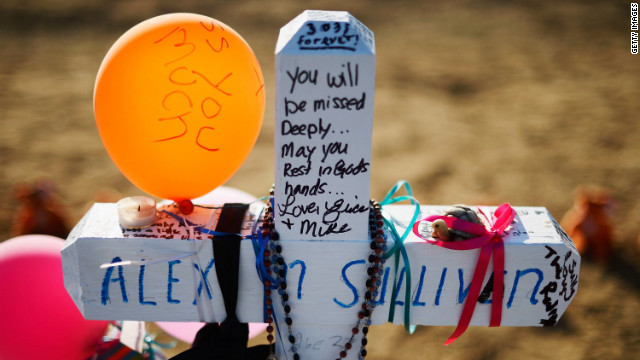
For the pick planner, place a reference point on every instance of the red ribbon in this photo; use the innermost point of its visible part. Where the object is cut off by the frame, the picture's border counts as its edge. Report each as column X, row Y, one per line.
column 490, row 241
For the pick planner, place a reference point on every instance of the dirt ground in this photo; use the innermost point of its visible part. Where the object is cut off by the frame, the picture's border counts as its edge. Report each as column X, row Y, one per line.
column 476, row 101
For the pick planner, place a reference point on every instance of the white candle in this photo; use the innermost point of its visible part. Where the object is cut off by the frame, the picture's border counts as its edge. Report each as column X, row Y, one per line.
column 136, row 212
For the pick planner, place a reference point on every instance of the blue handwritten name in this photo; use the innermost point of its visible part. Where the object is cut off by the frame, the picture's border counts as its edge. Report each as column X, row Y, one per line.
column 463, row 288
column 349, row 284
column 170, row 281
column 107, row 279
column 418, row 299
column 416, row 295
column 141, row 288
column 203, row 281
column 520, row 273
column 303, row 271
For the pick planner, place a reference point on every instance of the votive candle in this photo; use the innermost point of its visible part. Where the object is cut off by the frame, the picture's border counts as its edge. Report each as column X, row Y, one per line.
column 136, row 212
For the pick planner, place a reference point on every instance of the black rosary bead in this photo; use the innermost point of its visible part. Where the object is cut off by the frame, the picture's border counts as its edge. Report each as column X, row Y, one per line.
column 378, row 245
column 276, row 264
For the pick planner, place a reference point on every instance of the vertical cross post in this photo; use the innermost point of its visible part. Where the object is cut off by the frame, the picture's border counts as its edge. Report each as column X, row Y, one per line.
column 325, row 76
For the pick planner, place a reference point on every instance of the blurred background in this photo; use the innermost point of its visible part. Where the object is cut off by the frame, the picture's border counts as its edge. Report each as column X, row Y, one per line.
column 479, row 102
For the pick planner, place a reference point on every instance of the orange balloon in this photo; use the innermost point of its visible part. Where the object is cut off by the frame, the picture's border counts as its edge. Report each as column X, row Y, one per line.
column 179, row 101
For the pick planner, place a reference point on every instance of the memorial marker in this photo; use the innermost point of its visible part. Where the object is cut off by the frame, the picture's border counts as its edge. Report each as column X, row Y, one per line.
column 324, row 82
column 325, row 77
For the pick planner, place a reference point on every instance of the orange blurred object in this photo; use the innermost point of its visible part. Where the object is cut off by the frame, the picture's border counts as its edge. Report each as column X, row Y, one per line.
column 588, row 223
column 39, row 211
column 179, row 101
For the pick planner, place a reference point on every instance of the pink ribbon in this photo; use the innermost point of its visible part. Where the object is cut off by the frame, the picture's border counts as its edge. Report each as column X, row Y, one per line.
column 489, row 241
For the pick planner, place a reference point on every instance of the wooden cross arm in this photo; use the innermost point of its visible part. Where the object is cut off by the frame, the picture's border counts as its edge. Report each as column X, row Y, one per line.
column 161, row 279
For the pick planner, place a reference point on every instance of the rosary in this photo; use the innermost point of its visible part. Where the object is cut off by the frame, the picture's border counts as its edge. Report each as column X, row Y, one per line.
column 275, row 265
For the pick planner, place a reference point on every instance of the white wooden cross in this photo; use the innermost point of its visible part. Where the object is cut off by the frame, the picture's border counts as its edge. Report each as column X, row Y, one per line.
column 325, row 68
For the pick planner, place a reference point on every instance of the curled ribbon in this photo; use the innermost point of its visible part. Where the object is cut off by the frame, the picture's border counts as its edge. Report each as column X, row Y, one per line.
column 399, row 249
column 260, row 243
column 490, row 242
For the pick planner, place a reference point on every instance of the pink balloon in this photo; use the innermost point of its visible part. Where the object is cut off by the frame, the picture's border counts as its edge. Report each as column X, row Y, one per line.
column 38, row 319
column 186, row 331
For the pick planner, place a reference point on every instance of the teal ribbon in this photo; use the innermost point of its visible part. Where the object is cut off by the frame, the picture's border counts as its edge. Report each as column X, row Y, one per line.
column 398, row 250
column 150, row 342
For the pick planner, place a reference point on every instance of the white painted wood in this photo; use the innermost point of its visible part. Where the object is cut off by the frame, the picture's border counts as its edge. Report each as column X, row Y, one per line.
column 325, row 76
column 96, row 240
column 319, row 342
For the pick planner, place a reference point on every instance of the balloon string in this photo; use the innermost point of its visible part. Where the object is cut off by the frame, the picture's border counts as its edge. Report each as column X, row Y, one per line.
column 259, row 246
column 150, row 261
column 221, row 207
column 189, row 225
column 183, row 221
